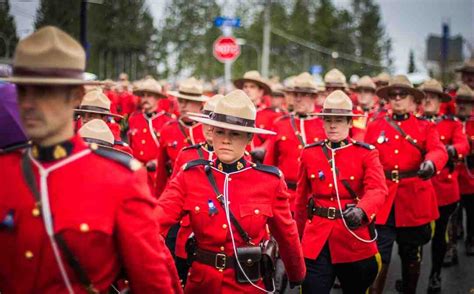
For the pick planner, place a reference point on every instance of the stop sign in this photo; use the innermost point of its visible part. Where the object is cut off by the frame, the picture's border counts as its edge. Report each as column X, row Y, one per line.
column 226, row 49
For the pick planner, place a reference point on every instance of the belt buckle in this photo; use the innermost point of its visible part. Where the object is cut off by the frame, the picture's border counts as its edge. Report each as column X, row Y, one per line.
column 395, row 175
column 331, row 213
column 219, row 262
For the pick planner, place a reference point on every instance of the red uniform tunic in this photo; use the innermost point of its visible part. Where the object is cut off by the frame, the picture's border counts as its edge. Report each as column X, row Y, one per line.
column 359, row 165
column 466, row 171
column 103, row 212
column 414, row 199
column 284, row 149
column 128, row 103
column 446, row 183
column 114, row 100
column 265, row 118
column 173, row 137
column 185, row 155
column 359, row 124
column 254, row 204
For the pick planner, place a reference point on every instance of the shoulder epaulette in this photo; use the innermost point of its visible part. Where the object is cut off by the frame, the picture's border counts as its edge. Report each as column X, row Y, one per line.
column 15, row 147
column 268, row 169
column 194, row 163
column 364, row 145
column 318, row 143
column 120, row 157
column 195, row 146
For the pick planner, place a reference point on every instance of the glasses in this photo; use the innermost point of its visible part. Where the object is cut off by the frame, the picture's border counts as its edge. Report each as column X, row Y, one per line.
column 393, row 95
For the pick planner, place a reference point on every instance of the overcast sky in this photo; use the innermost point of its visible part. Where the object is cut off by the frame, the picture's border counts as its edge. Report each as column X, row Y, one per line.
column 407, row 22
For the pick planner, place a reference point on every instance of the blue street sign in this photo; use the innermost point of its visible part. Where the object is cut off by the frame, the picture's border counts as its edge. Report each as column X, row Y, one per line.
column 316, row 69
column 222, row 21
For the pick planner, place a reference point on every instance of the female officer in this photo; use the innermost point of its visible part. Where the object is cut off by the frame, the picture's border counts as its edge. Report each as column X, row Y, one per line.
column 230, row 203
column 340, row 189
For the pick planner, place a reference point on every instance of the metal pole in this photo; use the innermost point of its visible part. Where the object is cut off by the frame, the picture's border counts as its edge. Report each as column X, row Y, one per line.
column 266, row 39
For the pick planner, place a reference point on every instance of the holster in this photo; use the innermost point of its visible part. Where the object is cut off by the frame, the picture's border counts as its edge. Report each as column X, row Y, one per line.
column 249, row 258
column 310, row 208
column 268, row 264
column 191, row 248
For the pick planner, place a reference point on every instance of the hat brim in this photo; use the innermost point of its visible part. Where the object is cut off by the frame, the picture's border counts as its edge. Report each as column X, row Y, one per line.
column 141, row 91
column 201, row 98
column 444, row 96
column 383, row 91
column 23, row 80
column 229, row 126
column 301, row 90
column 197, row 114
column 338, row 114
column 78, row 110
column 239, row 84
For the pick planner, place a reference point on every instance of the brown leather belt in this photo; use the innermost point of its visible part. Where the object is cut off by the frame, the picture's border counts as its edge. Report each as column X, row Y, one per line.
column 218, row 260
column 396, row 175
column 329, row 212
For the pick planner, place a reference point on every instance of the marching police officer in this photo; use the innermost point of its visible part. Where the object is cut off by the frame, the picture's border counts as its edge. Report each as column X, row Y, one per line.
column 294, row 132
column 411, row 153
column 230, row 203
column 72, row 217
column 445, row 183
column 340, row 189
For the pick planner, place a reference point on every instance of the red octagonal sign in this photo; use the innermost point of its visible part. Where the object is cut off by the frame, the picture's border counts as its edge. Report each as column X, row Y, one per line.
column 226, row 49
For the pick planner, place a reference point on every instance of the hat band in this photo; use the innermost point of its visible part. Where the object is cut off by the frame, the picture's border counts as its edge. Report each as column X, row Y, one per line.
column 49, row 72
column 97, row 141
column 206, row 112
column 304, row 89
column 233, row 120
column 337, row 111
column 94, row 108
column 190, row 94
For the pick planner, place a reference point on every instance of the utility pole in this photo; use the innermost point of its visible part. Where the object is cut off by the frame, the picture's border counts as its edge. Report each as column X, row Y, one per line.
column 266, row 38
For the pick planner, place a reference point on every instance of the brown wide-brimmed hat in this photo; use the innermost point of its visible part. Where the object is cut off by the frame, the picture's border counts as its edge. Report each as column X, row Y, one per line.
column 338, row 104
column 365, row 82
column 49, row 56
column 149, row 85
column 96, row 102
column 467, row 67
column 303, row 83
column 190, row 89
column 335, row 78
column 278, row 90
column 464, row 94
column 208, row 107
column 235, row 111
column 382, row 78
column 254, row 77
column 97, row 132
column 400, row 82
column 433, row 86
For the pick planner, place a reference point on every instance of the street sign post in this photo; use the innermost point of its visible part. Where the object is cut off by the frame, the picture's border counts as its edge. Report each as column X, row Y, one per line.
column 226, row 49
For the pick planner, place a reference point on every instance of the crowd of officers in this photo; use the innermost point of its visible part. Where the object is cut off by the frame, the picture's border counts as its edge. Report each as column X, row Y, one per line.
column 134, row 186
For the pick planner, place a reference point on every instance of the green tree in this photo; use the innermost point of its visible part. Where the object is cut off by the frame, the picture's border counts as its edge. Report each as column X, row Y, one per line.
column 411, row 62
column 186, row 38
column 59, row 13
column 8, row 36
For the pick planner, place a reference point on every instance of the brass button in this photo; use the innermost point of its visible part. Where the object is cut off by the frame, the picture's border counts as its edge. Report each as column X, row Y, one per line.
column 414, row 140
column 397, row 137
column 144, row 130
column 443, row 137
column 312, row 176
column 399, row 123
column 143, row 141
column 262, row 126
column 222, row 248
column 396, row 166
column 84, row 228
column 300, row 146
column 372, row 216
column 197, row 208
column 316, row 139
column 352, row 178
column 185, row 141
column 36, row 212
column 283, row 138
column 330, row 185
column 224, row 226
column 141, row 152
column 257, row 211
column 450, row 176
column 28, row 254
column 230, row 179
column 332, row 198
column 396, row 151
